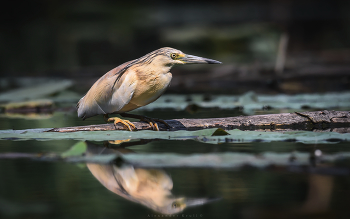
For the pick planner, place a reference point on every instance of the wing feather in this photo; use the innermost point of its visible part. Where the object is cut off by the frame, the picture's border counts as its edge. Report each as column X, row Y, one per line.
column 108, row 94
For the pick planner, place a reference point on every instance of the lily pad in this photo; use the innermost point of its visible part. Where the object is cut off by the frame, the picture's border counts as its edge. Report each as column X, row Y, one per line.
column 232, row 160
column 205, row 135
column 220, row 132
column 251, row 101
column 35, row 92
column 76, row 150
column 27, row 104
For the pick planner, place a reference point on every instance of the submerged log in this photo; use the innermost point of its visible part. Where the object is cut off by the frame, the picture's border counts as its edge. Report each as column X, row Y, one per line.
column 318, row 120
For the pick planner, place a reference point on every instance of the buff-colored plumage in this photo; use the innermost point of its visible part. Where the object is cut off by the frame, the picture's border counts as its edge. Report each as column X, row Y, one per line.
column 99, row 99
column 134, row 84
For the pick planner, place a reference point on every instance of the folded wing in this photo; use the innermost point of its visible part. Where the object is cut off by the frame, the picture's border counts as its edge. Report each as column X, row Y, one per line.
column 108, row 95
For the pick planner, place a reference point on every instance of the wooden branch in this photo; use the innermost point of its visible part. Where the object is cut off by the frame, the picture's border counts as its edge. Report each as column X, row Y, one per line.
column 297, row 121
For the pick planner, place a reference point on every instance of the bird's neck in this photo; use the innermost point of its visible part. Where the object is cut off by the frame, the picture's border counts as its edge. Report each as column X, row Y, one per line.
column 155, row 69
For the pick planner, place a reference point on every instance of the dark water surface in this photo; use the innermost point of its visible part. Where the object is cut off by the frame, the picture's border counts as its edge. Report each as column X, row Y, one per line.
column 32, row 189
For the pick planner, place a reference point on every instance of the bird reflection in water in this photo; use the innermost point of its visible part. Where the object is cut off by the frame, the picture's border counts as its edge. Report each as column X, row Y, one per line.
column 149, row 187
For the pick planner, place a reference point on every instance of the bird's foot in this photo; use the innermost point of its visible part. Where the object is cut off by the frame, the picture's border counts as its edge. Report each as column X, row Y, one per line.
column 117, row 120
column 162, row 121
column 153, row 122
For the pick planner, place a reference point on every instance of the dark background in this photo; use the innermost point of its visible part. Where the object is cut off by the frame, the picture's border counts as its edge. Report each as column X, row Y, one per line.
column 82, row 40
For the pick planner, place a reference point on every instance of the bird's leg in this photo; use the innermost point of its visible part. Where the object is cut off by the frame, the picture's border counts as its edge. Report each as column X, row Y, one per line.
column 116, row 120
column 150, row 121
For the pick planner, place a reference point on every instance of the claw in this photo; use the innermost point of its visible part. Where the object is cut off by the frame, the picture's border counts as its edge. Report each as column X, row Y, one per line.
column 126, row 123
column 156, row 127
column 151, row 122
column 162, row 121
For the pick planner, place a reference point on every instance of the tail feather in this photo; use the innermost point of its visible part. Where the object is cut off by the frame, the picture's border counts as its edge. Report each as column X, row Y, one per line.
column 88, row 109
column 80, row 109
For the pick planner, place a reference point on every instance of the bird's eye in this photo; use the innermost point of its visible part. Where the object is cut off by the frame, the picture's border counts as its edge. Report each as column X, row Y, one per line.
column 173, row 55
column 174, row 205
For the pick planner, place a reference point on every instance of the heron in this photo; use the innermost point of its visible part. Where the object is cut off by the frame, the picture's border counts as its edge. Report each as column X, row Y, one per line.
column 134, row 84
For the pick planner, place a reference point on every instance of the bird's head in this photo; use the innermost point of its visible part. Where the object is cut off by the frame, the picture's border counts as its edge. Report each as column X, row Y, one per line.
column 176, row 205
column 168, row 56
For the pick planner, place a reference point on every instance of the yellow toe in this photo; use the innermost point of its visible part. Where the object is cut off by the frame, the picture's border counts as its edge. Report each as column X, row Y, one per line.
column 117, row 120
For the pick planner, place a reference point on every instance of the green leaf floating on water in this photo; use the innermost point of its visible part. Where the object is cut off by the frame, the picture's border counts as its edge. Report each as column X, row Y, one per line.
column 78, row 154
column 220, row 132
column 76, row 150
column 38, row 134
column 236, row 136
column 36, row 91
column 251, row 101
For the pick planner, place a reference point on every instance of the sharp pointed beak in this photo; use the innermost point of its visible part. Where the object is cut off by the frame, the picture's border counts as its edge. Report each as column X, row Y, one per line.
column 190, row 59
column 199, row 201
